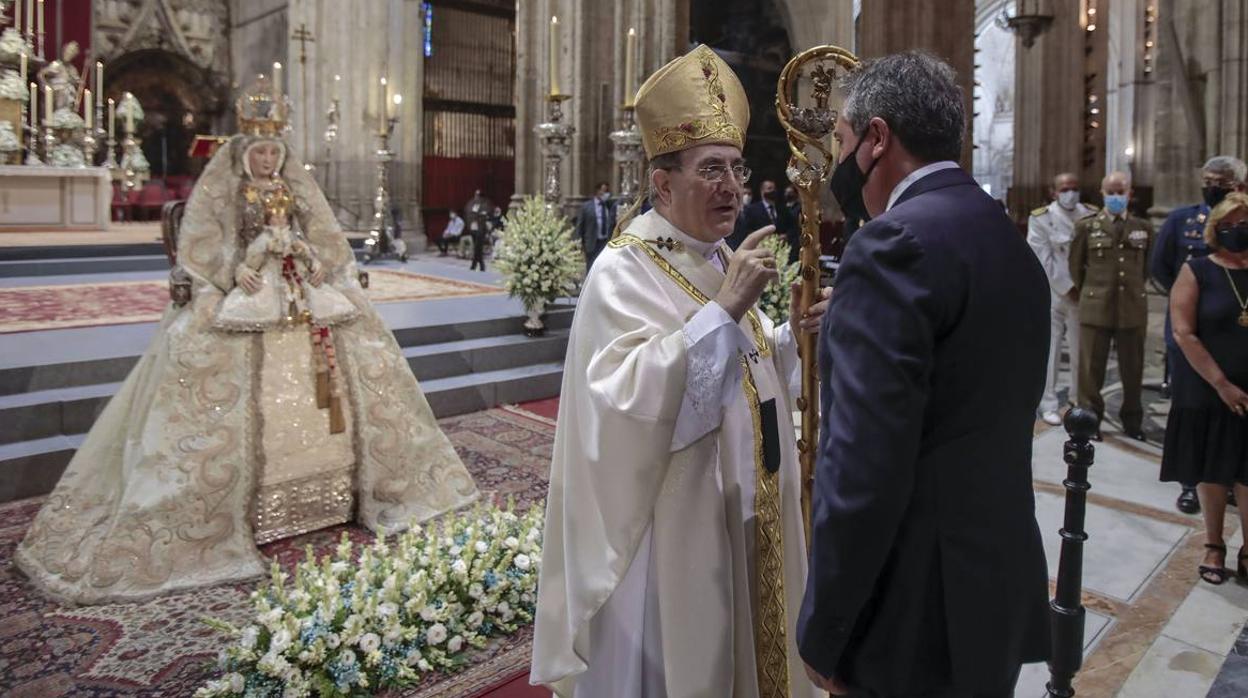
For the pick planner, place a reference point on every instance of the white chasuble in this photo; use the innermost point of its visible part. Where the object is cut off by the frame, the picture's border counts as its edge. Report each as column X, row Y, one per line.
column 669, row 548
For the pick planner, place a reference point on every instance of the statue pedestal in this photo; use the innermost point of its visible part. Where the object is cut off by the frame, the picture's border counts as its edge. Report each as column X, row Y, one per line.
column 36, row 198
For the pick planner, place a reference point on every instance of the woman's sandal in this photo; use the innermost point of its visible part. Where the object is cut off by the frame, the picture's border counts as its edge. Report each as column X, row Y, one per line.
column 1217, row 575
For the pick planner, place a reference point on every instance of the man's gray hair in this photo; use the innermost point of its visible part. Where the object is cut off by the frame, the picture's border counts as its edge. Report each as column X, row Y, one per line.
column 666, row 161
column 917, row 95
column 1227, row 165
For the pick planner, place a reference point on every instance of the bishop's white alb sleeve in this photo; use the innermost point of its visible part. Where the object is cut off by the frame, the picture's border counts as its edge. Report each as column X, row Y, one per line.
column 713, row 343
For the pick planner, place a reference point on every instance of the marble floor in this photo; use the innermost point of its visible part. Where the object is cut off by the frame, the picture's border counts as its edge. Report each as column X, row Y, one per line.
column 1153, row 629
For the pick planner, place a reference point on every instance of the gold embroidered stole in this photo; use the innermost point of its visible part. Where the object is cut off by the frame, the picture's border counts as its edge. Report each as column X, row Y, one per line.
column 770, row 643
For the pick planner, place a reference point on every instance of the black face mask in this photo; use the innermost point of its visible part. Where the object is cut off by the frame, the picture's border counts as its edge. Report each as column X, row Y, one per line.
column 1214, row 195
column 1234, row 238
column 847, row 182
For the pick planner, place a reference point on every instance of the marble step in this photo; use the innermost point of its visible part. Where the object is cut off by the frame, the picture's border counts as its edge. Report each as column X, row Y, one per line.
column 112, row 261
column 82, row 265
column 33, row 376
column 73, row 409
column 32, row 467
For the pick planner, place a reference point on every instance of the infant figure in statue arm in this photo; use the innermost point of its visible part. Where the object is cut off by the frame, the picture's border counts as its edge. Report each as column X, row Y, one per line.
column 278, row 278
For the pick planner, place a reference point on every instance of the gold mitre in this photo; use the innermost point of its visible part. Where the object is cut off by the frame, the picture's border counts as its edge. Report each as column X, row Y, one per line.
column 693, row 100
column 261, row 110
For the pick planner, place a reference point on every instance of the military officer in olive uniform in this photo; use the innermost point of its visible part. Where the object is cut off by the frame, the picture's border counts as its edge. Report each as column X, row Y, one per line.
column 1109, row 268
column 1182, row 237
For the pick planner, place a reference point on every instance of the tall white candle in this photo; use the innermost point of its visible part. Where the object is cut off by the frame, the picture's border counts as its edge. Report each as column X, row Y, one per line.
column 630, row 66
column 337, row 81
column 554, row 55
column 381, row 112
column 47, row 102
column 34, row 104
column 99, row 78
column 30, row 17
column 17, row 16
column 40, row 27
column 112, row 118
column 86, row 109
column 23, row 64
column 129, row 117
column 277, row 82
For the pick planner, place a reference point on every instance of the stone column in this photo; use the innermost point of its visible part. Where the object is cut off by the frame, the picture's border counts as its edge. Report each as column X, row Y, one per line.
column 818, row 22
column 1053, row 102
column 946, row 28
column 1131, row 107
column 360, row 42
column 1202, row 92
column 592, row 71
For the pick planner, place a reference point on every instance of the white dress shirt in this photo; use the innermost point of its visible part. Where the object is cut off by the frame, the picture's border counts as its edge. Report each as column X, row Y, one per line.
column 915, row 176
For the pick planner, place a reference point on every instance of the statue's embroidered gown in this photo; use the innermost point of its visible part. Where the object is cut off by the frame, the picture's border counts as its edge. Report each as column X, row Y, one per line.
column 249, row 418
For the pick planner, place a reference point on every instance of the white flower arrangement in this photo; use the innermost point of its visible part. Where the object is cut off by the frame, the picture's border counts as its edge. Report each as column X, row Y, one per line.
column 538, row 256
column 66, row 155
column 381, row 617
column 775, row 299
column 12, row 44
column 9, row 142
column 11, row 86
column 64, row 118
column 129, row 104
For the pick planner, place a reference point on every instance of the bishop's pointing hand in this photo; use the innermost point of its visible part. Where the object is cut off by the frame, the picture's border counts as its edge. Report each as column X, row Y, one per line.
column 750, row 269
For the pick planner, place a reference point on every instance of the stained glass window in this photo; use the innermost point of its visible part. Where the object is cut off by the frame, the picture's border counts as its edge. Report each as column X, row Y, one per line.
column 428, row 29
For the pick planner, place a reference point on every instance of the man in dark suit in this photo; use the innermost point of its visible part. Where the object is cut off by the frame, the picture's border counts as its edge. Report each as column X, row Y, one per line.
column 927, row 573
column 595, row 224
column 768, row 210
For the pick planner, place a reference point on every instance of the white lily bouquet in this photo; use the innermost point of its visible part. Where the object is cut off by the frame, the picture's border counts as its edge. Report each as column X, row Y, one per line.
column 539, row 257
column 775, row 299
column 381, row 617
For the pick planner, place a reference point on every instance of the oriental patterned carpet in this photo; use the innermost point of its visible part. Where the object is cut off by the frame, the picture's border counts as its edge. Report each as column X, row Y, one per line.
column 161, row 647
column 29, row 308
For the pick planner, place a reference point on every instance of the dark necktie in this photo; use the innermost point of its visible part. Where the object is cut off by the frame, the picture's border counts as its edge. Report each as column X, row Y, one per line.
column 771, row 212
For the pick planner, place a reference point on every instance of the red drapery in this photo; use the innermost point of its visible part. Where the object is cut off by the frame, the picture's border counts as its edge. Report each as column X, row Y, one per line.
column 450, row 182
column 64, row 21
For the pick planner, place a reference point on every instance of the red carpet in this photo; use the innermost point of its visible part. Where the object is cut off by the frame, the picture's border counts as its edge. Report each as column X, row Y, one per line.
column 30, row 308
column 548, row 408
column 160, row 647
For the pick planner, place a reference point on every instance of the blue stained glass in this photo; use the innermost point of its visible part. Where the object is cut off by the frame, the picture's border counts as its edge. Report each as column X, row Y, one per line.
column 428, row 29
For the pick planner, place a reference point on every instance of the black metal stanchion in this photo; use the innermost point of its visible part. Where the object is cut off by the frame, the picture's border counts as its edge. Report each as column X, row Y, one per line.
column 1067, row 605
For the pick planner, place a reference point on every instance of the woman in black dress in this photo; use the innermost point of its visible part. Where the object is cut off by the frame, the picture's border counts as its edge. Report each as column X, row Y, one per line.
column 1207, row 432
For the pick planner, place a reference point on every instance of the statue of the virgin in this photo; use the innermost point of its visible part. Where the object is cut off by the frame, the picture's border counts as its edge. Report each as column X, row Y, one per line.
column 274, row 403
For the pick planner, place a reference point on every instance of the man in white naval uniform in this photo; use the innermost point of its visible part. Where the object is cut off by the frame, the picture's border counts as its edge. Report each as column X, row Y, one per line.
column 1049, row 232
column 674, row 558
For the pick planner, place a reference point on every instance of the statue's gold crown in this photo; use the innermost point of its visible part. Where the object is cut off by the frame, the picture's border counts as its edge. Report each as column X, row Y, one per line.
column 261, row 111
column 693, row 100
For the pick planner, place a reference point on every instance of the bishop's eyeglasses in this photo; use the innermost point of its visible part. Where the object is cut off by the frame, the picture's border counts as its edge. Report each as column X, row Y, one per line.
column 716, row 173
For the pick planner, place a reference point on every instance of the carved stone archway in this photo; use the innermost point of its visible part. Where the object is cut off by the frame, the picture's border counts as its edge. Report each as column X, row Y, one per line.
column 179, row 98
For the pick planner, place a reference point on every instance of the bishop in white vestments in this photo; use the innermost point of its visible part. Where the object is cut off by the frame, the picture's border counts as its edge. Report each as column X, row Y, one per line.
column 674, row 559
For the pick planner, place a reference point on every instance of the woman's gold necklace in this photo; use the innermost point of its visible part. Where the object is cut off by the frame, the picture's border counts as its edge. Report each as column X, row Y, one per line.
column 1243, row 306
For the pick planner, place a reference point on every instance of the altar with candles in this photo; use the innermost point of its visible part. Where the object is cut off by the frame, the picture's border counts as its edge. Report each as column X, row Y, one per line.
column 50, row 198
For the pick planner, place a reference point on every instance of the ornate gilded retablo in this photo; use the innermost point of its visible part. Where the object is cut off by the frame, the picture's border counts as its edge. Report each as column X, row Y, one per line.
column 694, row 100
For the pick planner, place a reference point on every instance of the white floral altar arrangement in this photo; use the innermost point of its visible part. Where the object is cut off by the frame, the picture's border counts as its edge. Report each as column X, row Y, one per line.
column 129, row 105
column 68, row 119
column 538, row 255
column 11, row 86
column 359, row 622
column 66, row 155
column 775, row 299
column 9, row 142
column 12, row 44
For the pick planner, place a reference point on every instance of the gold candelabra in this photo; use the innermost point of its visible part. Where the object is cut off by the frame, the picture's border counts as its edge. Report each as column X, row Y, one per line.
column 812, row 157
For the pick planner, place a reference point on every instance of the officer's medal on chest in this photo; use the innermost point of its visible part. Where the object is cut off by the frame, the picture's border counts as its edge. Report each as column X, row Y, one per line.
column 1239, row 297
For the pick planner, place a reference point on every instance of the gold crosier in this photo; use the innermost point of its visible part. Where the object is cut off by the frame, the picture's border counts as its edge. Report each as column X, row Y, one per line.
column 812, row 157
